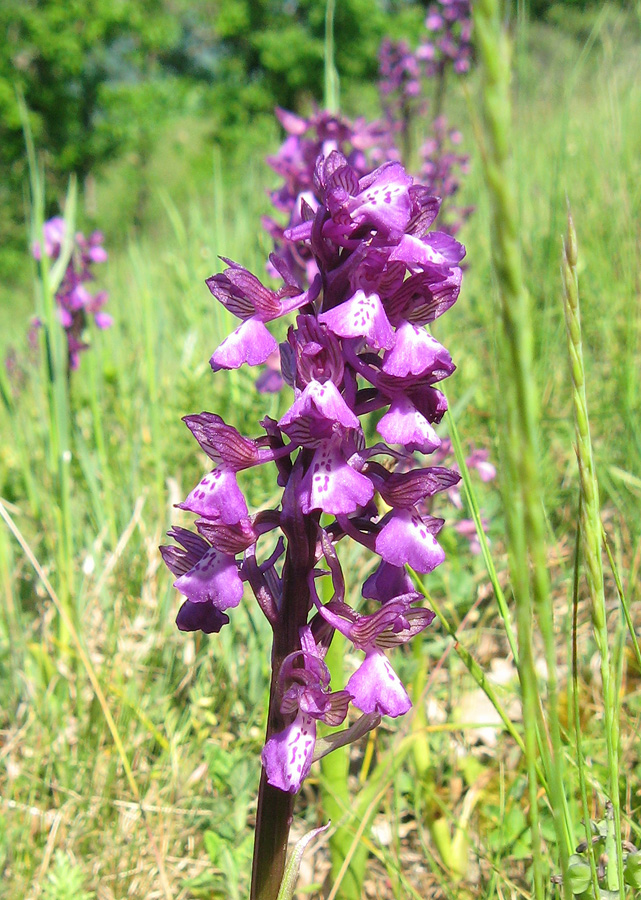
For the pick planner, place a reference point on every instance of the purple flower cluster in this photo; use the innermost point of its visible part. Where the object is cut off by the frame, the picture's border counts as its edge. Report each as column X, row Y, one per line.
column 358, row 359
column 364, row 145
column 450, row 44
column 404, row 76
column 400, row 87
column 441, row 168
column 74, row 300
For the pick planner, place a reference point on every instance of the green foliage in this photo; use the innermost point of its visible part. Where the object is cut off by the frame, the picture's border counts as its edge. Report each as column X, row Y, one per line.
column 563, row 11
column 65, row 881
column 65, row 60
column 102, row 80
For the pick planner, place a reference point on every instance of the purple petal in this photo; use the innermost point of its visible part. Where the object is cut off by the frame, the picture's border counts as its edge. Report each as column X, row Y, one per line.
column 406, row 539
column 214, row 580
column 287, row 756
column 103, row 320
column 217, row 496
column 181, row 559
column 376, row 687
column 361, row 316
column 66, row 319
column 387, row 582
column 222, row 442
column 230, row 539
column 250, row 343
column 384, row 199
column 416, row 352
column 406, row 489
column 332, row 485
column 404, row 424
column 200, row 617
column 98, row 254
column 269, row 382
column 436, row 251
column 320, row 399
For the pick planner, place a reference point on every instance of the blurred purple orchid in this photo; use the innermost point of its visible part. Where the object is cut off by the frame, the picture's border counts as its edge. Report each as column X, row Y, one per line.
column 412, row 88
column 478, row 460
column 450, row 25
column 74, row 300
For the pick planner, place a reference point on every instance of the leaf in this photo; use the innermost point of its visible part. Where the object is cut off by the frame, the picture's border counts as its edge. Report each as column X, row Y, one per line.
column 213, row 845
column 579, row 874
column 288, row 884
column 632, row 870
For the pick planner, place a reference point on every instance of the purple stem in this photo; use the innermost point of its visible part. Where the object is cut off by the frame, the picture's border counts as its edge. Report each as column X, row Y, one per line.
column 275, row 807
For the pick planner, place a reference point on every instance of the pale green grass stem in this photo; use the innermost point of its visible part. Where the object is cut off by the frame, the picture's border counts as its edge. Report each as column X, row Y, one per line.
column 519, row 432
column 591, row 534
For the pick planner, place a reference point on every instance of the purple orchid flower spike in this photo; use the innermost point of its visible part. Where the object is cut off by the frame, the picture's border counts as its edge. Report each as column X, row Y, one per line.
column 362, row 144
column 357, row 346
column 412, row 88
column 74, row 300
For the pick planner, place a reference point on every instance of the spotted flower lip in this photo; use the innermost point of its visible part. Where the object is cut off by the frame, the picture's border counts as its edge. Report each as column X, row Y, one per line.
column 375, row 687
column 415, row 352
column 361, row 316
column 332, row 484
column 406, row 538
column 214, row 579
column 404, row 424
column 217, row 496
column 207, row 578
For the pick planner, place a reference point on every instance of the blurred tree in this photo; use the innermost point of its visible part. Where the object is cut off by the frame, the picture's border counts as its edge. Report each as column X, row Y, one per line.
column 99, row 77
column 62, row 57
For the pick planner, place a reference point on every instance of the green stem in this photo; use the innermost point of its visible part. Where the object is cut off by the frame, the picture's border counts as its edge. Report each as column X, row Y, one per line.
column 332, row 101
column 55, row 361
column 580, row 758
column 101, row 447
column 475, row 512
column 591, row 530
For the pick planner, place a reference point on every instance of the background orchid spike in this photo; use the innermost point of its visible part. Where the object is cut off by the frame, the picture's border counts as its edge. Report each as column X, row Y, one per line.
column 450, row 25
column 412, row 87
column 73, row 298
column 357, row 347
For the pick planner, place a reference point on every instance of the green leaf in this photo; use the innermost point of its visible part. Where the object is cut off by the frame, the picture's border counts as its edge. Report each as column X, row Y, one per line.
column 213, row 845
column 288, row 885
column 632, row 870
column 579, row 874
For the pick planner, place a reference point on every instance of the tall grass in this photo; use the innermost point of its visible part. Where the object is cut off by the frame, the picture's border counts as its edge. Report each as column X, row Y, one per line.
column 189, row 710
